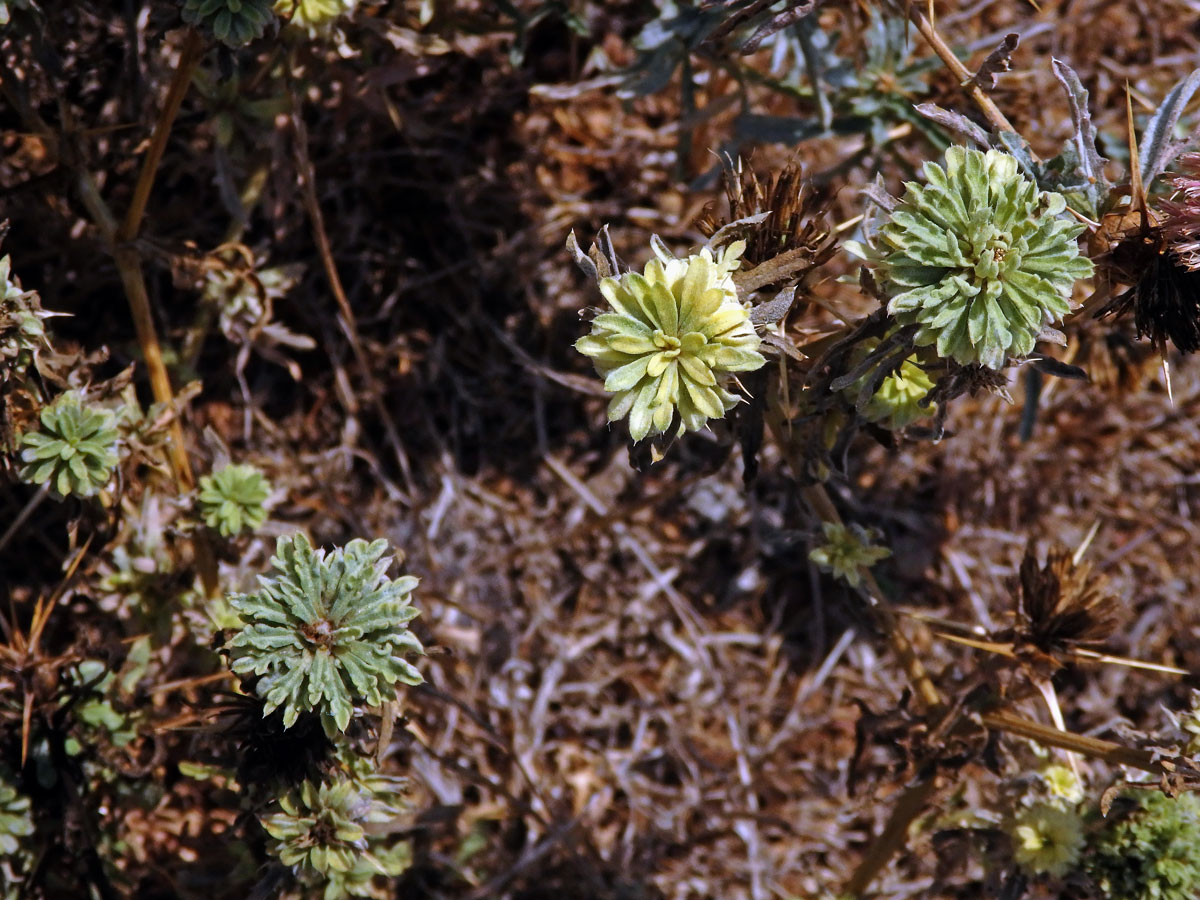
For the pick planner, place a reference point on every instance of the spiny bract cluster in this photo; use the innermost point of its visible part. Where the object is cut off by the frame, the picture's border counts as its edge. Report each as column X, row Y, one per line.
column 75, row 450
column 326, row 631
column 979, row 258
column 673, row 337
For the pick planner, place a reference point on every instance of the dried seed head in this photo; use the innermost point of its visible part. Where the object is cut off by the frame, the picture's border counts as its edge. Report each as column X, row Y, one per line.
column 1060, row 604
column 795, row 221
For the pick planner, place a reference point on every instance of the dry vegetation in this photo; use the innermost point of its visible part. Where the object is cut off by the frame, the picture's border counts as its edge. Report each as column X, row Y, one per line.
column 638, row 686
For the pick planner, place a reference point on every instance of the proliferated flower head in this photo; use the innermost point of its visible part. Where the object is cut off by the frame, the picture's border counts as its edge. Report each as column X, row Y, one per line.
column 313, row 16
column 234, row 23
column 896, row 403
column 75, row 450
column 231, row 499
column 327, row 830
column 326, row 631
column 846, row 551
column 978, row 257
column 673, row 337
column 1047, row 840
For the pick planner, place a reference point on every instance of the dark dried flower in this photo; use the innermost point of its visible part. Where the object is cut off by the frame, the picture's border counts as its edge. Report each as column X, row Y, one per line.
column 1162, row 260
column 1061, row 605
column 1165, row 302
column 1181, row 222
column 795, row 222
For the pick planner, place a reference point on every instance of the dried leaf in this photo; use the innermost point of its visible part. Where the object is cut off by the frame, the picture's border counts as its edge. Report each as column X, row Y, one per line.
column 1091, row 163
column 1157, row 149
column 999, row 60
column 956, row 123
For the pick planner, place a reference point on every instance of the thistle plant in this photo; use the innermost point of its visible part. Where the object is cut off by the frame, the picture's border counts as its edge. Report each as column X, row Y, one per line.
column 978, row 257
column 231, row 499
column 846, row 551
column 675, row 335
column 325, row 632
column 74, row 451
column 330, row 831
column 234, row 23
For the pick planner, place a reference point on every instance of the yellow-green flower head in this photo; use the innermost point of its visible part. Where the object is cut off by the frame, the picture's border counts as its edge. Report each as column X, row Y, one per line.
column 846, row 551
column 314, row 16
column 897, row 400
column 1062, row 783
column 674, row 334
column 1047, row 840
column 979, row 258
column 1189, row 724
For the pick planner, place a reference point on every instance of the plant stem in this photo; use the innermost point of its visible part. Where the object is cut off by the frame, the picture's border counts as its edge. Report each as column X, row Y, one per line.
column 346, row 318
column 961, row 72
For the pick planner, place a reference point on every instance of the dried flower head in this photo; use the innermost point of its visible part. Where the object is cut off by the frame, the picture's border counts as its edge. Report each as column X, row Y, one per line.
column 1061, row 604
column 314, row 16
column 234, row 23
column 326, row 631
column 673, row 337
column 74, row 451
column 1181, row 215
column 793, row 220
column 978, row 257
column 1165, row 300
column 1047, row 840
column 846, row 551
column 231, row 499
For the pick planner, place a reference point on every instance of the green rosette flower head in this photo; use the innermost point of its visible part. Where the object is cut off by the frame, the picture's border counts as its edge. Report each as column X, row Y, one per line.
column 979, row 258
column 16, row 822
column 337, row 831
column 326, row 631
column 845, row 552
column 74, row 451
column 232, row 498
column 234, row 23
column 674, row 336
